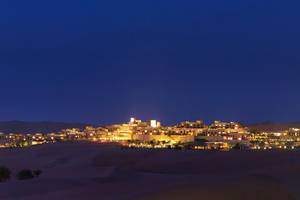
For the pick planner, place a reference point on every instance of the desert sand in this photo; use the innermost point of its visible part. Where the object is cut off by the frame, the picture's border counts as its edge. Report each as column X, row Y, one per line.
column 93, row 171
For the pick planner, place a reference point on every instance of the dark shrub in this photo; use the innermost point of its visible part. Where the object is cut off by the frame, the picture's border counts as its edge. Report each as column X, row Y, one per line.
column 4, row 173
column 25, row 174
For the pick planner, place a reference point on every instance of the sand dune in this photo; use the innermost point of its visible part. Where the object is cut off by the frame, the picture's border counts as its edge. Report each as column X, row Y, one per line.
column 246, row 188
column 96, row 171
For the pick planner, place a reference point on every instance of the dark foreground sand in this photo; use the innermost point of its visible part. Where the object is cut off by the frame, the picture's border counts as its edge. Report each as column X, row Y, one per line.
column 104, row 172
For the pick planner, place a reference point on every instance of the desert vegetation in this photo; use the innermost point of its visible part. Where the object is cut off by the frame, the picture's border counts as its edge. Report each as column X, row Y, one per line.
column 5, row 173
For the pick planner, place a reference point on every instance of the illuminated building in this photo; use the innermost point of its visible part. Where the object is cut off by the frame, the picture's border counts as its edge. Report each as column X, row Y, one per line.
column 154, row 124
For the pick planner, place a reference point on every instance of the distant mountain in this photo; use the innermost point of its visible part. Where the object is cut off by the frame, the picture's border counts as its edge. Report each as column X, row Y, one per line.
column 36, row 127
column 271, row 126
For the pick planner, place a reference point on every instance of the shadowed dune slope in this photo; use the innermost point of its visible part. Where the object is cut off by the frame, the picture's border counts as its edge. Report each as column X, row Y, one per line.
column 247, row 188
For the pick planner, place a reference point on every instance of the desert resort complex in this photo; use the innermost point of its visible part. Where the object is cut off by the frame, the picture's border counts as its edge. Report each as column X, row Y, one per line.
column 152, row 134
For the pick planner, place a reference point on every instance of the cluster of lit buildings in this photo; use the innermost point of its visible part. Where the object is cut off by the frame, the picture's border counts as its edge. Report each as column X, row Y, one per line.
column 25, row 140
column 185, row 135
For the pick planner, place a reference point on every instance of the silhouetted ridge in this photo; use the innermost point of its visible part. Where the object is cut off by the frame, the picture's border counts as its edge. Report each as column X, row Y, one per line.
column 36, row 127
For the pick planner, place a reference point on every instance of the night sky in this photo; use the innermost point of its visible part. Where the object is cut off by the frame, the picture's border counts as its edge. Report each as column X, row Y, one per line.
column 105, row 61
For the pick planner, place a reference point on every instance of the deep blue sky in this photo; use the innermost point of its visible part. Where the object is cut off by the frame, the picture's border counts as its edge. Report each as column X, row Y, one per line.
column 104, row 61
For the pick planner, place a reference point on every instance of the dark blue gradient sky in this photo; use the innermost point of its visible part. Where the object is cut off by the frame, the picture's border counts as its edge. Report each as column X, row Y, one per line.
column 104, row 61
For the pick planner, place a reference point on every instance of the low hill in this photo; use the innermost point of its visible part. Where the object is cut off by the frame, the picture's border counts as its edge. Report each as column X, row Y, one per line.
column 271, row 126
column 36, row 127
